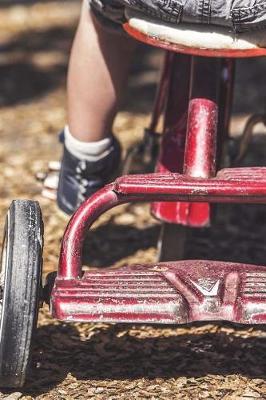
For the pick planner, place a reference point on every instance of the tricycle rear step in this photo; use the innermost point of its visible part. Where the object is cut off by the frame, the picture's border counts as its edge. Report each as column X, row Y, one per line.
column 165, row 293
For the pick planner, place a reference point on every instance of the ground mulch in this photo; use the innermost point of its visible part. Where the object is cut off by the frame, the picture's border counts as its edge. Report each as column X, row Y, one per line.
column 104, row 361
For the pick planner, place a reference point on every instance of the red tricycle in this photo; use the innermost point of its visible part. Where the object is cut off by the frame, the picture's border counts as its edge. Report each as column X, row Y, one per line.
column 194, row 98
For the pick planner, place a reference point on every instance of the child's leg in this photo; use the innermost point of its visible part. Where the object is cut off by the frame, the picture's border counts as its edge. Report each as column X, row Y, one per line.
column 97, row 75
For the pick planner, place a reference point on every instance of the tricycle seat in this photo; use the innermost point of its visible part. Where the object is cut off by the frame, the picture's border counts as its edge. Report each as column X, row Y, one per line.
column 212, row 41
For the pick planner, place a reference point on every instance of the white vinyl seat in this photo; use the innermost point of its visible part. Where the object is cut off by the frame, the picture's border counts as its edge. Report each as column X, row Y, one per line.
column 202, row 39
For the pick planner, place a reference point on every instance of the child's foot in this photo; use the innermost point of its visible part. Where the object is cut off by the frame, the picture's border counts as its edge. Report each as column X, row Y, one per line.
column 80, row 178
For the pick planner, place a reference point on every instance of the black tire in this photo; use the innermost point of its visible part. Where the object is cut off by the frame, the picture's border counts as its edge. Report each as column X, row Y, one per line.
column 172, row 242
column 20, row 289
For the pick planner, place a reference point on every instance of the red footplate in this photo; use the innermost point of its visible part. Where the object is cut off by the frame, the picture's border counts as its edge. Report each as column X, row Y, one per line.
column 165, row 293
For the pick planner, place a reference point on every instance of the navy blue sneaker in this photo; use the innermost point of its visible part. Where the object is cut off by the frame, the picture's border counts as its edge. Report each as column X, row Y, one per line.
column 79, row 179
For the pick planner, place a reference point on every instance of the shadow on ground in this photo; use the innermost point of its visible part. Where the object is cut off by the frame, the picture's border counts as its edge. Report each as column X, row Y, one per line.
column 111, row 242
column 115, row 354
column 24, row 78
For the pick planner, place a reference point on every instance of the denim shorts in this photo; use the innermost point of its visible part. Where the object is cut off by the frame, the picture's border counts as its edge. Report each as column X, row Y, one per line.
column 236, row 15
column 109, row 12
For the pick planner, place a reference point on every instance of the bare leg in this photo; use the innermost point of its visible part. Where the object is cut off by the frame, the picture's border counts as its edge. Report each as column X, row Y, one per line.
column 97, row 75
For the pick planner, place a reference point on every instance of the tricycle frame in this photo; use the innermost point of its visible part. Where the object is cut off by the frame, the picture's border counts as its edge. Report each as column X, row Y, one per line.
column 195, row 99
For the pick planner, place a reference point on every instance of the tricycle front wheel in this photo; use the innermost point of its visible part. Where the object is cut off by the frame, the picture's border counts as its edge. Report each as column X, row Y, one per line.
column 20, row 284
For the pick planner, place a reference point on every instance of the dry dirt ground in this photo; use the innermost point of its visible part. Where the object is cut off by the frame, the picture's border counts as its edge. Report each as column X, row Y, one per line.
column 101, row 361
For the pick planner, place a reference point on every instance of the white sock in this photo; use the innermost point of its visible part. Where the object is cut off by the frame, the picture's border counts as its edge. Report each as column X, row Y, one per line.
column 89, row 151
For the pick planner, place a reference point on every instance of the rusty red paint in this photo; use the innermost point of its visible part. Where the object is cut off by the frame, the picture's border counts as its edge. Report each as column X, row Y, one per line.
column 178, row 292
column 171, row 157
column 195, row 122
column 233, row 185
column 237, row 185
column 88, row 212
column 163, row 44
column 200, row 153
column 201, row 136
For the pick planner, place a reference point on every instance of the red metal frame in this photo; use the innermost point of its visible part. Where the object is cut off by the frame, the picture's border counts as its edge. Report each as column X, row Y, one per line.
column 237, row 185
column 171, row 157
column 201, row 135
column 186, row 89
column 187, row 176
column 200, row 151
column 168, row 292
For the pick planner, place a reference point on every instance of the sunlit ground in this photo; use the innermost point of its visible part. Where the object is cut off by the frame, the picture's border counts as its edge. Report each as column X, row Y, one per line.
column 104, row 361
